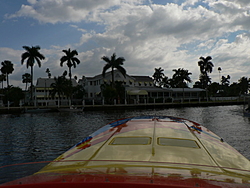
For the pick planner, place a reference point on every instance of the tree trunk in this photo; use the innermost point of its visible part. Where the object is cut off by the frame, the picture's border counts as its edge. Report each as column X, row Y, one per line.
column 31, row 87
column 112, row 74
column 7, row 76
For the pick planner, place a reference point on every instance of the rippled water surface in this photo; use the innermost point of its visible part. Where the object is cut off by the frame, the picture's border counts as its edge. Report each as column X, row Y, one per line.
column 44, row 136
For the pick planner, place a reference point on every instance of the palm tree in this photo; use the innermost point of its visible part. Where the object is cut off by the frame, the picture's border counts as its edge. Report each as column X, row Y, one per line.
column 219, row 70
column 57, row 87
column 26, row 79
column 158, row 76
column 204, row 80
column 113, row 63
column 180, row 76
column 48, row 72
column 71, row 60
column 7, row 68
column 166, row 82
column 225, row 80
column 32, row 55
column 205, row 64
column 244, row 84
column 61, row 87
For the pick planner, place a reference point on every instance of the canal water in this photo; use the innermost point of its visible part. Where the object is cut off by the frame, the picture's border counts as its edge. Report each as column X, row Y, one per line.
column 44, row 136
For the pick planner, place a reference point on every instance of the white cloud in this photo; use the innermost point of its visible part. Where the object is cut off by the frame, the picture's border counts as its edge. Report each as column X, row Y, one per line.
column 233, row 57
column 148, row 36
column 51, row 11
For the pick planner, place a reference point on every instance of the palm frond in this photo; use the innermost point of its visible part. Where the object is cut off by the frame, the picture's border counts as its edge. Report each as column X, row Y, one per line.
column 122, row 70
column 74, row 52
column 27, row 48
column 24, row 56
column 36, row 47
column 105, row 68
column 38, row 61
column 106, row 59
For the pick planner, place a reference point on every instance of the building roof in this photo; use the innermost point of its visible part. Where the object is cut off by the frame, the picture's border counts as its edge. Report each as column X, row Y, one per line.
column 159, row 89
column 135, row 78
column 155, row 89
column 46, row 82
column 142, row 78
column 187, row 89
column 107, row 74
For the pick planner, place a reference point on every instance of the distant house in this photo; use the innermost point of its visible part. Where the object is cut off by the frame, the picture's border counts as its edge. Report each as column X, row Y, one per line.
column 189, row 93
column 138, row 89
column 42, row 93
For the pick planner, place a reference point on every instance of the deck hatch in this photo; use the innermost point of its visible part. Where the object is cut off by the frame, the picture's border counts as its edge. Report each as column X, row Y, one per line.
column 177, row 142
column 131, row 141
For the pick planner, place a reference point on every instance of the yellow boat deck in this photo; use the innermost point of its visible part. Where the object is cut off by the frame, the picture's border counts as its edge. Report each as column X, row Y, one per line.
column 153, row 144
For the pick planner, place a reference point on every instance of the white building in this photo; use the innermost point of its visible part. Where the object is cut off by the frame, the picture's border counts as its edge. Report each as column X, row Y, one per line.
column 42, row 93
column 139, row 89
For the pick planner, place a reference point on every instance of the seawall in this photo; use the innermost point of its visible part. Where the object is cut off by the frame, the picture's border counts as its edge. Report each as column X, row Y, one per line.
column 17, row 110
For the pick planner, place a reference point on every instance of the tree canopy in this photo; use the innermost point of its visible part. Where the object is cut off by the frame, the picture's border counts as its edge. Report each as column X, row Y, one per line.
column 70, row 60
column 113, row 63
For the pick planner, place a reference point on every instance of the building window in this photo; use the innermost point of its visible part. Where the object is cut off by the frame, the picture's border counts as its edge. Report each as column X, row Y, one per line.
column 154, row 94
column 179, row 94
column 166, row 94
column 194, row 94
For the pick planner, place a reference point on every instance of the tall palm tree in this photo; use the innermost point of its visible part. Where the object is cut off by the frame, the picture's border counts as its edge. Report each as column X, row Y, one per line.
column 219, row 70
column 70, row 59
column 7, row 68
column 26, row 79
column 158, row 76
column 32, row 55
column 204, row 80
column 205, row 64
column 113, row 63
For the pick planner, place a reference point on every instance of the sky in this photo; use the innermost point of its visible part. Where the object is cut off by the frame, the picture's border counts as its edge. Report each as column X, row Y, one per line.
column 149, row 34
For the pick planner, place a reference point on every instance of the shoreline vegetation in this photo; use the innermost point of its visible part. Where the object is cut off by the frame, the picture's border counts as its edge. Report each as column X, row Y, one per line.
column 24, row 109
